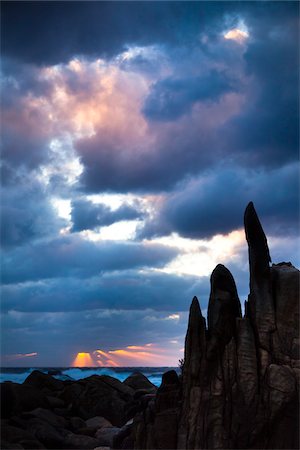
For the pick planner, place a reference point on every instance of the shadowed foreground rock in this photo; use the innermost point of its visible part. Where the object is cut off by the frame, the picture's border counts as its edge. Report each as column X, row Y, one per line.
column 240, row 382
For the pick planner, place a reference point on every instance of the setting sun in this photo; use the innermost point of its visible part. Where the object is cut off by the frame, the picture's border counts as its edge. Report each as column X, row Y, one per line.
column 83, row 359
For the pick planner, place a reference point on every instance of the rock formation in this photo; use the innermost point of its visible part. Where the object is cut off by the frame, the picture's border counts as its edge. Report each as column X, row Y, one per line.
column 240, row 381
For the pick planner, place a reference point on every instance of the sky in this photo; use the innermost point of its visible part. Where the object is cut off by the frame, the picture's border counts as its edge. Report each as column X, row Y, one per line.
column 134, row 134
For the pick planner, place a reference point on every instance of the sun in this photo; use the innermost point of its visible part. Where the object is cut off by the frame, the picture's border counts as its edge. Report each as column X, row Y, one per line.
column 83, row 359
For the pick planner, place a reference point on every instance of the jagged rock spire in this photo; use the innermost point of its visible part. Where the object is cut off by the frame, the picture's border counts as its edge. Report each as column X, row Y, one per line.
column 194, row 341
column 239, row 387
column 261, row 307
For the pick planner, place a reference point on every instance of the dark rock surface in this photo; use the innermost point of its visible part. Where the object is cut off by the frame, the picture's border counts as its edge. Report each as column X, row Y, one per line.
column 138, row 381
column 47, row 413
column 41, row 380
column 16, row 398
column 240, row 382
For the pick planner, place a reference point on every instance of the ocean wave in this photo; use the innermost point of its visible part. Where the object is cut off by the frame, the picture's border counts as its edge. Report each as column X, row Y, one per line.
column 19, row 375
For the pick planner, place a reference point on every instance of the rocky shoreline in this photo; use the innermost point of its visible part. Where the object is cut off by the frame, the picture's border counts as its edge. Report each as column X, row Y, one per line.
column 239, row 388
column 97, row 411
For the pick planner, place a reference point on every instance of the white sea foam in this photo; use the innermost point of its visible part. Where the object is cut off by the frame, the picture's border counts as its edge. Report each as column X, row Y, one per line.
column 17, row 375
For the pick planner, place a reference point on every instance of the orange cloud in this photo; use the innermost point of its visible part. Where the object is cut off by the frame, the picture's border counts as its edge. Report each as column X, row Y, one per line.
column 19, row 356
column 133, row 355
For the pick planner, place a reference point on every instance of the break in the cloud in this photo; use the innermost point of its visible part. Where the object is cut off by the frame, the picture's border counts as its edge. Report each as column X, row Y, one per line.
column 134, row 135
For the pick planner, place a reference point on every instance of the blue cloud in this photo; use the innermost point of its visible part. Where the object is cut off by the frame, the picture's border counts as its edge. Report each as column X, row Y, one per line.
column 172, row 97
column 86, row 215
column 77, row 257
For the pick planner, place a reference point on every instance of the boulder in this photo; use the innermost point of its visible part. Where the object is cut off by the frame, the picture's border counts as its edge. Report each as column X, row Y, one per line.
column 55, row 402
column 18, row 438
column 98, row 422
column 99, row 396
column 16, row 398
column 76, row 441
column 87, row 431
column 49, row 436
column 47, row 416
column 105, row 436
column 76, row 423
column 124, row 436
column 138, row 381
column 42, row 381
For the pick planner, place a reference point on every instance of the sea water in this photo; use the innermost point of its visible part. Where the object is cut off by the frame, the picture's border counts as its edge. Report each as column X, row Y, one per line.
column 19, row 374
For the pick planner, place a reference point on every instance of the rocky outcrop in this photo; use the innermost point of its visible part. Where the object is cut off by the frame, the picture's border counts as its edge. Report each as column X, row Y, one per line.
column 47, row 413
column 240, row 381
column 137, row 381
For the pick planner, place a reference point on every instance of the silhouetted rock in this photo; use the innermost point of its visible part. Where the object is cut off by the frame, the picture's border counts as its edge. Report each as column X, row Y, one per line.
column 45, row 433
column 105, row 436
column 21, row 438
column 260, row 300
column 16, row 398
column 47, row 416
column 99, row 396
column 77, row 441
column 76, row 423
column 138, row 381
column 98, row 422
column 240, row 383
column 223, row 308
column 42, row 380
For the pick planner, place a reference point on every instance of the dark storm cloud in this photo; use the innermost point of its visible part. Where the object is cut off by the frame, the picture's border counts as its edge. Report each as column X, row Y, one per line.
column 26, row 213
column 215, row 203
column 267, row 131
column 128, row 290
column 86, row 215
column 264, row 132
column 74, row 256
column 170, row 98
column 97, row 28
column 178, row 152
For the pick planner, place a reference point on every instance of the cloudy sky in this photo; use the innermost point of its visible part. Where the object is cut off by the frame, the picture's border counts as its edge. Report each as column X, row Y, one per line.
column 134, row 135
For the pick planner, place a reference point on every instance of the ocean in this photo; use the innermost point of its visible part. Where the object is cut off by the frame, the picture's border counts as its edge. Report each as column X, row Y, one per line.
column 19, row 374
